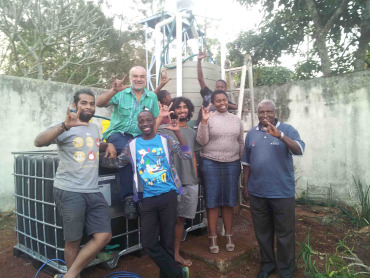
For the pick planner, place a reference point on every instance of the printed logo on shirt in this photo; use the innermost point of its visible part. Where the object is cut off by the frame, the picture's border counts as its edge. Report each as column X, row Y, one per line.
column 253, row 143
column 97, row 142
column 78, row 142
column 152, row 173
column 89, row 142
column 91, row 156
column 275, row 143
column 79, row 156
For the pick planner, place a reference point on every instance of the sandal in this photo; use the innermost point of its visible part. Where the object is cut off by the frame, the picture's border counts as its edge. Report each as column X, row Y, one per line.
column 229, row 246
column 213, row 248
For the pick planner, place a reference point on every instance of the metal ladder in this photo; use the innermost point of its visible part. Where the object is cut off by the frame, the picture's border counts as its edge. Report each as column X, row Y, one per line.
column 247, row 67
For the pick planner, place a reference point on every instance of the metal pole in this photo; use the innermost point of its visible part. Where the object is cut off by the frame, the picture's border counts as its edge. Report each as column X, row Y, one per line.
column 241, row 92
column 223, row 56
column 179, row 54
column 148, row 75
column 251, row 90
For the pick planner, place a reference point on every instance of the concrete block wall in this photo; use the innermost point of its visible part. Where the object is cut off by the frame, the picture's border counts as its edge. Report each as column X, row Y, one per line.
column 332, row 115
column 27, row 107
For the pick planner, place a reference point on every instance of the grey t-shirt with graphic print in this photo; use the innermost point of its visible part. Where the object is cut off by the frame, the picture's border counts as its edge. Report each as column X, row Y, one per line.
column 78, row 151
column 185, row 167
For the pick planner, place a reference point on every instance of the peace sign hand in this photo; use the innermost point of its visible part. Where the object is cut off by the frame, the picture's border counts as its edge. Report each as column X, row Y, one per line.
column 73, row 119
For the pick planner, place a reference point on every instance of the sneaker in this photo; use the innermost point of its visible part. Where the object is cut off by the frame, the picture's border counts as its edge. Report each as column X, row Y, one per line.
column 130, row 207
column 185, row 272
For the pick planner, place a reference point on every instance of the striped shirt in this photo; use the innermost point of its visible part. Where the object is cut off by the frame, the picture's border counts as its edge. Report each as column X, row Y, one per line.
column 126, row 110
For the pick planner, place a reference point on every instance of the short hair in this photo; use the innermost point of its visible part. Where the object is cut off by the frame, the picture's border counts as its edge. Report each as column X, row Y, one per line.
column 218, row 92
column 77, row 94
column 176, row 103
column 145, row 110
column 223, row 81
column 137, row 67
column 162, row 94
column 266, row 101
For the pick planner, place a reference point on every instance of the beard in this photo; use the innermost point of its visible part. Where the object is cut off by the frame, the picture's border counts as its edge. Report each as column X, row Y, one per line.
column 86, row 117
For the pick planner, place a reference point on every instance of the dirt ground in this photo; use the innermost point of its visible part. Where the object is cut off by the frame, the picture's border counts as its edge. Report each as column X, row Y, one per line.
column 327, row 227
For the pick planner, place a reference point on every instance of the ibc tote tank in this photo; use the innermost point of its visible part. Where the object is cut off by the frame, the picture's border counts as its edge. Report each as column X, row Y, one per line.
column 190, row 84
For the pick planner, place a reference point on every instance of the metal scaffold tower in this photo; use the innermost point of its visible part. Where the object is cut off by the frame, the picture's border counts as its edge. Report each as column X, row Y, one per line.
column 169, row 37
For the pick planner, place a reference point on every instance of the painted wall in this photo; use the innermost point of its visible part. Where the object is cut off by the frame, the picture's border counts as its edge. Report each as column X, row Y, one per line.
column 332, row 116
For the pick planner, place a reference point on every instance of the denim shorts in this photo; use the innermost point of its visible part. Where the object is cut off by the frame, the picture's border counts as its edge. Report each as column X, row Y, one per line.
column 79, row 210
column 221, row 182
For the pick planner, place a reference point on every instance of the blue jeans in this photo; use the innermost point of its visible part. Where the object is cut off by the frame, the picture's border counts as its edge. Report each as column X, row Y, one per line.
column 119, row 141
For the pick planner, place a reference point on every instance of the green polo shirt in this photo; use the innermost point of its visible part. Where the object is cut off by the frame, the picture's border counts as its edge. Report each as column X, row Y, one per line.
column 126, row 109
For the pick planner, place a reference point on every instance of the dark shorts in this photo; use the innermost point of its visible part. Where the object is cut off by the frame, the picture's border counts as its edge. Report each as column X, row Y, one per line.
column 79, row 210
column 221, row 182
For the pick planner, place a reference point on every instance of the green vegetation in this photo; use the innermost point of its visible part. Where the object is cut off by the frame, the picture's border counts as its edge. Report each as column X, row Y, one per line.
column 344, row 263
column 69, row 41
column 335, row 35
column 364, row 197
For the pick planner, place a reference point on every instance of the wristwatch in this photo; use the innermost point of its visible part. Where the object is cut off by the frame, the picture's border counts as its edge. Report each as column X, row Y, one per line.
column 64, row 127
column 281, row 135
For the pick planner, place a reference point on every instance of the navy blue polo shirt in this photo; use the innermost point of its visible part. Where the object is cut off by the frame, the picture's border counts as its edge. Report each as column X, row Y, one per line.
column 270, row 162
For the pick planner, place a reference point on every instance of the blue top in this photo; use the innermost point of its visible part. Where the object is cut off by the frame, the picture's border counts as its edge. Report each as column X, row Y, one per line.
column 153, row 168
column 271, row 162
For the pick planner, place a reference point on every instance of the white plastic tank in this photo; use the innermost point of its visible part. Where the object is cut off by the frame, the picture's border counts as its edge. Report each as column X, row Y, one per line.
column 190, row 85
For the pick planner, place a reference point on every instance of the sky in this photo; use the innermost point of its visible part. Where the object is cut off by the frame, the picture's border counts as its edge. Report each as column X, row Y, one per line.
column 228, row 18
column 222, row 13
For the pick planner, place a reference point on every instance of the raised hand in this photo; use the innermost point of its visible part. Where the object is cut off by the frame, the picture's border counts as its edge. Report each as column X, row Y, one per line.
column 73, row 119
column 164, row 110
column 272, row 130
column 206, row 114
column 117, row 84
column 173, row 125
column 164, row 77
column 202, row 55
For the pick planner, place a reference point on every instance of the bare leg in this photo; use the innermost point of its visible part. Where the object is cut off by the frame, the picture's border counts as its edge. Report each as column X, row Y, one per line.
column 71, row 249
column 227, row 218
column 179, row 230
column 87, row 253
column 212, row 217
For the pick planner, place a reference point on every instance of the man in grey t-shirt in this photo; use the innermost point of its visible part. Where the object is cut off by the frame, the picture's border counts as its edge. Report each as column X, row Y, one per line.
column 76, row 193
column 183, row 109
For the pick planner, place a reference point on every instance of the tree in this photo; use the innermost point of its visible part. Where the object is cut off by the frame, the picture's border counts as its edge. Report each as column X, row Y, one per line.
column 339, row 29
column 49, row 39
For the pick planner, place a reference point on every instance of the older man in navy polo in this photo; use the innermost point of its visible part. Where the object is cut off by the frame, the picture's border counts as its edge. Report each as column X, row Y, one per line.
column 269, row 184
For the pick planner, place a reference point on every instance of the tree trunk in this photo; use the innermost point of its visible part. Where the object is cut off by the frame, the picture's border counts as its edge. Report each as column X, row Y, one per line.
column 322, row 50
column 364, row 40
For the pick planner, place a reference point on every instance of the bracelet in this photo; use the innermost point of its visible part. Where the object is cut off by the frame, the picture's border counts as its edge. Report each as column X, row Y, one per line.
column 281, row 135
column 64, row 127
